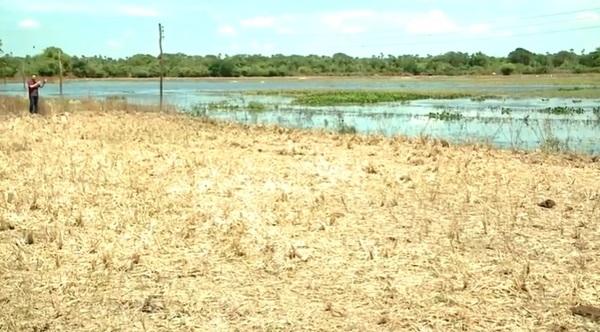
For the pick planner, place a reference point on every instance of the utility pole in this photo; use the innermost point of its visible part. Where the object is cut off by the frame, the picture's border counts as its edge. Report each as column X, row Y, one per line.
column 161, row 36
column 24, row 79
column 60, row 73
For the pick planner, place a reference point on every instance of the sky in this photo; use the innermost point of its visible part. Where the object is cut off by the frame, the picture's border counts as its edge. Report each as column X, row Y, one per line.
column 121, row 28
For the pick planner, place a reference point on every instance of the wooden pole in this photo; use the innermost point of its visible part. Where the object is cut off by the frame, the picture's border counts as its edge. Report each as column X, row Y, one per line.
column 24, row 79
column 60, row 73
column 161, row 36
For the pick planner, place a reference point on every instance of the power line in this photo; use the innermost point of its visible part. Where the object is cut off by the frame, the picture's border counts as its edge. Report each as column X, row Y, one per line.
column 446, row 41
column 502, row 26
column 528, row 25
column 562, row 13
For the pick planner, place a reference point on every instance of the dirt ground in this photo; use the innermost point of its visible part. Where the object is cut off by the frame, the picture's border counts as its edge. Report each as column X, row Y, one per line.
column 116, row 221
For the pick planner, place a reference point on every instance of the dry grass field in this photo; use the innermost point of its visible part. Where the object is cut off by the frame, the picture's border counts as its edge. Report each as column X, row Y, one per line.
column 146, row 221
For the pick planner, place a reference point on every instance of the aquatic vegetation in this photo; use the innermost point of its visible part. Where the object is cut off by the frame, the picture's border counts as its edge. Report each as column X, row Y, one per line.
column 446, row 116
column 255, row 106
column 221, row 106
column 252, row 106
column 562, row 110
column 346, row 129
column 484, row 98
column 551, row 145
column 197, row 110
column 347, row 97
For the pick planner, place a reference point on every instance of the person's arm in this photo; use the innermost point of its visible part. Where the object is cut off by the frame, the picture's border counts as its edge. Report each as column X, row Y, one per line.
column 34, row 85
column 44, row 83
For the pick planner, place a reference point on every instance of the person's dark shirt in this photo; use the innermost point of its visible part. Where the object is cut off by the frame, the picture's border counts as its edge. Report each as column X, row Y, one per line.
column 33, row 87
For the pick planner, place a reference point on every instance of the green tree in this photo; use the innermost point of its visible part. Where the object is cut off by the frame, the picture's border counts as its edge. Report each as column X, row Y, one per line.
column 564, row 58
column 522, row 56
column 592, row 59
column 182, row 65
column 479, row 59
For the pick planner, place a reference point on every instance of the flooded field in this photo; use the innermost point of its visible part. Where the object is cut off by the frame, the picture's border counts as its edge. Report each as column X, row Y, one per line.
column 513, row 118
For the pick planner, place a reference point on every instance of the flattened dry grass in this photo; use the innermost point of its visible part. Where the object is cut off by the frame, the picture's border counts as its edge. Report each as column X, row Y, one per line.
column 146, row 221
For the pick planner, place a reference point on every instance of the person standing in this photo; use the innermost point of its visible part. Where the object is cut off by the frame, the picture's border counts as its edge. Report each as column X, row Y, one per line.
column 33, row 86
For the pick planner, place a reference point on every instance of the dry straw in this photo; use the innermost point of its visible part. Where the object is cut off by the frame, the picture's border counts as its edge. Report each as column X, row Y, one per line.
column 114, row 220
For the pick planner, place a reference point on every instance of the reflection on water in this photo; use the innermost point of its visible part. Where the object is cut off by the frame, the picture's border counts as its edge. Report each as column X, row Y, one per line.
column 507, row 123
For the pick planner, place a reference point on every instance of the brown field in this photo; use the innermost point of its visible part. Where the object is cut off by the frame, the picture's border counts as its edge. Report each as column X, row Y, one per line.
column 140, row 221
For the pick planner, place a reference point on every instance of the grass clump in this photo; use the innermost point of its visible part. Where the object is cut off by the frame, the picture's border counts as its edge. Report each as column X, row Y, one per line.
column 575, row 88
column 596, row 112
column 345, row 129
column 252, row 106
column 446, row 116
column 255, row 106
column 484, row 98
column 562, row 110
column 551, row 145
column 222, row 106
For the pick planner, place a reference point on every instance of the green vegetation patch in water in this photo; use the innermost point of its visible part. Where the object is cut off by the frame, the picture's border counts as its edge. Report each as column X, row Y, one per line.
column 337, row 98
column 252, row 106
column 255, row 106
column 483, row 98
column 446, row 116
column 352, row 97
column 222, row 106
column 562, row 110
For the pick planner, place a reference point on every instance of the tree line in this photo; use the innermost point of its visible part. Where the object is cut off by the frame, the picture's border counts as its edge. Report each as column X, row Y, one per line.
column 519, row 61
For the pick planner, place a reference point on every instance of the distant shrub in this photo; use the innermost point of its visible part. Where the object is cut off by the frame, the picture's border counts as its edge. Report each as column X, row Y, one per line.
column 507, row 69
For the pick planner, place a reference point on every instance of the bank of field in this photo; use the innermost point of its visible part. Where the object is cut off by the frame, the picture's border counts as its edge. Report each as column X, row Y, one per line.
column 120, row 221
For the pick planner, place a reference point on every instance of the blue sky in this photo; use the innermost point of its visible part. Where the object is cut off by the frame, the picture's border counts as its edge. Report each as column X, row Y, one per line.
column 120, row 28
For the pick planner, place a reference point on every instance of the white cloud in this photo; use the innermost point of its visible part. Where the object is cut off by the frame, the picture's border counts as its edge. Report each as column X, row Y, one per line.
column 227, row 30
column 58, row 7
column 280, row 25
column 433, row 22
column 395, row 22
column 258, row 22
column 137, row 10
column 376, row 25
column 107, row 7
column 29, row 24
column 588, row 17
column 352, row 21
